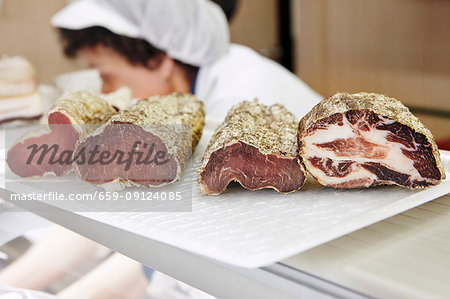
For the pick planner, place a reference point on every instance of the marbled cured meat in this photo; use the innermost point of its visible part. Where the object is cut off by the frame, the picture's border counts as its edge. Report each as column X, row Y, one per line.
column 148, row 143
column 71, row 117
column 368, row 139
column 256, row 145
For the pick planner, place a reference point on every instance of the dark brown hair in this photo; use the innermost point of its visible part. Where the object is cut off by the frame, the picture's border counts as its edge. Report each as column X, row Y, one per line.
column 228, row 7
column 136, row 50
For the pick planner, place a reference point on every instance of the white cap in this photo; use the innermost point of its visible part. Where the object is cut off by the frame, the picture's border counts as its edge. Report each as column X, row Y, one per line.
column 192, row 31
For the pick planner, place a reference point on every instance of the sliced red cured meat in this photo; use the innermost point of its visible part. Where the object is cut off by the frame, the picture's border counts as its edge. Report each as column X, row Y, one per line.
column 362, row 140
column 255, row 146
column 147, row 144
column 245, row 164
column 119, row 139
column 27, row 160
column 48, row 149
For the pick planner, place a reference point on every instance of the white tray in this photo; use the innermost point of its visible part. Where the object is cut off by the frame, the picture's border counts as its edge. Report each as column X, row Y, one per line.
column 257, row 228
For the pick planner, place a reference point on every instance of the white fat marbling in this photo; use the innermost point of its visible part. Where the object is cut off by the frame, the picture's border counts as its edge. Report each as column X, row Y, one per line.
column 395, row 159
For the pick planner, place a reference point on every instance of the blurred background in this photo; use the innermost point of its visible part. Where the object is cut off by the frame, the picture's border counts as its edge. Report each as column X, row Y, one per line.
column 400, row 48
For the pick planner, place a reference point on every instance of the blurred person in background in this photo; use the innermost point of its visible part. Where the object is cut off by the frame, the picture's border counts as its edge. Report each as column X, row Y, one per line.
column 157, row 47
column 154, row 47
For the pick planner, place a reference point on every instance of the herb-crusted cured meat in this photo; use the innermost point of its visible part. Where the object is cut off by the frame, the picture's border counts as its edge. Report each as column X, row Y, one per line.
column 148, row 143
column 366, row 139
column 74, row 115
column 256, row 145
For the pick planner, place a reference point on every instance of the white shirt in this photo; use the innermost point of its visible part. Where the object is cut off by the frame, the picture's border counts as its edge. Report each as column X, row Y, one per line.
column 243, row 74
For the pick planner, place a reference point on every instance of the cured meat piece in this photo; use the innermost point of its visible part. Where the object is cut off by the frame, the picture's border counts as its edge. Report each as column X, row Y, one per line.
column 49, row 148
column 20, row 101
column 256, row 145
column 367, row 139
column 147, row 144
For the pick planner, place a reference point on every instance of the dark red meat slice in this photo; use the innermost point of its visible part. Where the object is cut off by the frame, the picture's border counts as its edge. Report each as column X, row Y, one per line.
column 118, row 139
column 256, row 146
column 252, row 169
column 146, row 144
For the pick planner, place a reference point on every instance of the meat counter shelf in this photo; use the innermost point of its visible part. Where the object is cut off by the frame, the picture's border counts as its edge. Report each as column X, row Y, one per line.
column 218, row 279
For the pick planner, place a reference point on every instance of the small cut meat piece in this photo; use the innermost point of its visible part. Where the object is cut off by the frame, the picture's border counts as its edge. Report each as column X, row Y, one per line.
column 48, row 149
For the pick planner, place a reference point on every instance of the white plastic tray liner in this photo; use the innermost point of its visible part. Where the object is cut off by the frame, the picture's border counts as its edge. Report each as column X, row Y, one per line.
column 257, row 228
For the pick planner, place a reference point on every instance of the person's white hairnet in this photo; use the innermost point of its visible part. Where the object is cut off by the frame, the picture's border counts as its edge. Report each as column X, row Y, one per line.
column 192, row 31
